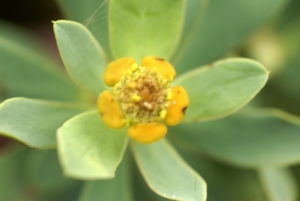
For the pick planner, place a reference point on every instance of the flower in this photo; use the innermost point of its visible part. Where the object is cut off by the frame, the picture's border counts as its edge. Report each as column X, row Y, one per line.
column 142, row 98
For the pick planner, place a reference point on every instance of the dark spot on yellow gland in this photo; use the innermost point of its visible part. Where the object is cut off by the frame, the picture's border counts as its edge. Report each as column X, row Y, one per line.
column 183, row 110
column 112, row 100
column 178, row 92
column 160, row 59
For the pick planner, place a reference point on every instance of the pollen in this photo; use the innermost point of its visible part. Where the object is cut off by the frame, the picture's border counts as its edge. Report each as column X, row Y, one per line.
column 163, row 114
column 131, row 85
column 171, row 78
column 136, row 98
column 169, row 95
column 143, row 95
column 133, row 67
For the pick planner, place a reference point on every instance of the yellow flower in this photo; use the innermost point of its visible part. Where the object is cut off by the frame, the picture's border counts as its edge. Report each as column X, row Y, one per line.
column 142, row 98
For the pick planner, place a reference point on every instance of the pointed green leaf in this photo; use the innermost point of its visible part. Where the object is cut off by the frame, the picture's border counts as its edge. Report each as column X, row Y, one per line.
column 219, row 27
column 81, row 54
column 167, row 174
column 252, row 138
column 25, row 72
column 279, row 184
column 116, row 189
column 88, row 149
column 93, row 13
column 144, row 28
column 34, row 122
column 221, row 88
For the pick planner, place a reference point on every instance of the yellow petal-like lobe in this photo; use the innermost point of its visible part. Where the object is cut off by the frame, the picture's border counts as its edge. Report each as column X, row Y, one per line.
column 115, row 70
column 179, row 103
column 147, row 132
column 164, row 67
column 110, row 110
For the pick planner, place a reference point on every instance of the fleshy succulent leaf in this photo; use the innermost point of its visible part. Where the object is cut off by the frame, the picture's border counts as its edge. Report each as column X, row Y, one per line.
column 279, row 184
column 250, row 138
column 167, row 174
column 219, row 26
column 143, row 28
column 81, row 54
column 221, row 88
column 92, row 13
column 34, row 122
column 26, row 72
column 88, row 149
column 116, row 189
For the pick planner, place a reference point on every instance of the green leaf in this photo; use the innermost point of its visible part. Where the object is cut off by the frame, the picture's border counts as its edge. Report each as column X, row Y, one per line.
column 117, row 189
column 19, row 183
column 25, row 72
column 221, row 88
column 226, row 183
column 11, row 161
column 144, row 28
column 43, row 173
column 251, row 138
column 279, row 184
column 81, row 54
column 34, row 122
column 93, row 13
column 142, row 190
column 194, row 12
column 167, row 174
column 223, row 26
column 88, row 149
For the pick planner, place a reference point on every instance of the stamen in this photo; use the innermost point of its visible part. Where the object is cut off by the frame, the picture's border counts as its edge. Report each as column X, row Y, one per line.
column 133, row 67
column 171, row 78
column 129, row 71
column 132, row 85
column 163, row 114
column 169, row 95
column 147, row 105
column 143, row 95
column 136, row 98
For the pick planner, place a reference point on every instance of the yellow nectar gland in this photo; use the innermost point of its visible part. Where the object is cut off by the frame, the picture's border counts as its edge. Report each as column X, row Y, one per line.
column 143, row 95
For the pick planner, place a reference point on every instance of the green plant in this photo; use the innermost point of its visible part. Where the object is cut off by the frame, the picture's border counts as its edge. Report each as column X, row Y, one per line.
column 259, row 139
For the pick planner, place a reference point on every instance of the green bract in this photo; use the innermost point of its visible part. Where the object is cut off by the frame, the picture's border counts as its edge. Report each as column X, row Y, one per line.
column 146, row 32
column 88, row 149
column 191, row 35
column 37, row 120
column 81, row 54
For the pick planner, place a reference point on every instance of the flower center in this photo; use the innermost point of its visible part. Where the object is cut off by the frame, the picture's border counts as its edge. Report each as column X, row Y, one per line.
column 143, row 95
